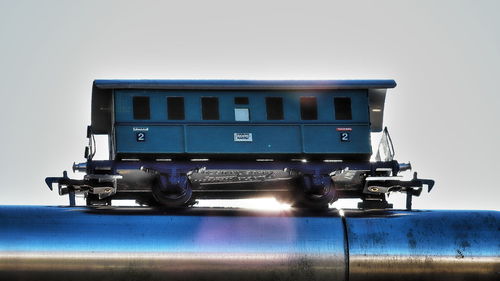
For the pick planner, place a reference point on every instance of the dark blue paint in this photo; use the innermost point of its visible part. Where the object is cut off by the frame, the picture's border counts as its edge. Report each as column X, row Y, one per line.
column 256, row 106
column 290, row 135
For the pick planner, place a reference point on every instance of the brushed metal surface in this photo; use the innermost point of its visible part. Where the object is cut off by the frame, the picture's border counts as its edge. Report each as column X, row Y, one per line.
column 423, row 245
column 77, row 243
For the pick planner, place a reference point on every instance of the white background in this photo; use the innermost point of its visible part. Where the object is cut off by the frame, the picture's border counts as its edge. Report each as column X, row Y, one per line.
column 445, row 56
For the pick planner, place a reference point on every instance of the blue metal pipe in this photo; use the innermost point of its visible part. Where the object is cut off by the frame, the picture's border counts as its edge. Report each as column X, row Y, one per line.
column 80, row 243
column 424, row 245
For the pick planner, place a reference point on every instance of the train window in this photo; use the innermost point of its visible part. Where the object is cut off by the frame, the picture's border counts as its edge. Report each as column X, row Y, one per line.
column 241, row 114
column 241, row 100
column 343, row 109
column 210, row 108
column 274, row 107
column 308, row 108
column 141, row 108
column 175, row 108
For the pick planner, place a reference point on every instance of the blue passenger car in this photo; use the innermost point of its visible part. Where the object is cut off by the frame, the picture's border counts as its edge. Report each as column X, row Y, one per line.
column 174, row 141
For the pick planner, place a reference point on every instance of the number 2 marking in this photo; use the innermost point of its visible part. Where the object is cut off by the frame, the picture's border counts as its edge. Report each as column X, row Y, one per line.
column 140, row 136
column 344, row 136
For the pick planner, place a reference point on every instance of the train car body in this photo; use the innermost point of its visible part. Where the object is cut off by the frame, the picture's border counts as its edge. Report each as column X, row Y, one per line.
column 174, row 141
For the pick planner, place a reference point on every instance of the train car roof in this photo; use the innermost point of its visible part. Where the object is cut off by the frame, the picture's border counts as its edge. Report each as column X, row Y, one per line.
column 102, row 89
column 244, row 84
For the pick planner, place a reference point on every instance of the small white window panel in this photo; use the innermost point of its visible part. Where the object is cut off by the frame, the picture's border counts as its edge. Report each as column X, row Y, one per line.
column 241, row 114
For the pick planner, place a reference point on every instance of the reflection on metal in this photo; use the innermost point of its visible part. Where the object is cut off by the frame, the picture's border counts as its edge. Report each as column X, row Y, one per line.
column 424, row 245
column 71, row 243
column 55, row 243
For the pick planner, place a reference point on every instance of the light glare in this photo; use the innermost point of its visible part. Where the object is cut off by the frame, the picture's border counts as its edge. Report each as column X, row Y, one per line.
column 269, row 204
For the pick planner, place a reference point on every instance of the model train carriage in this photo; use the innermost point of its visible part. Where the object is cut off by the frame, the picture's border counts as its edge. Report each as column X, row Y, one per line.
column 172, row 142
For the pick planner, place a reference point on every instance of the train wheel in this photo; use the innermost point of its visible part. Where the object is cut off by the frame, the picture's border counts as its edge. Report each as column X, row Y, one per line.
column 313, row 196
column 172, row 195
